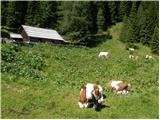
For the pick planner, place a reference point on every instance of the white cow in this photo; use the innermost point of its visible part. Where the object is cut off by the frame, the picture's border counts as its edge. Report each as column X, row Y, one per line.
column 103, row 54
column 149, row 57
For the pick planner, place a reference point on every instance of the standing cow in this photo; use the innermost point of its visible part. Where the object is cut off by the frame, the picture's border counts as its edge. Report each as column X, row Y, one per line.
column 103, row 54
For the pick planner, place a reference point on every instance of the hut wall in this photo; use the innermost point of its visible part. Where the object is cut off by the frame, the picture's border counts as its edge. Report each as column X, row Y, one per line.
column 25, row 36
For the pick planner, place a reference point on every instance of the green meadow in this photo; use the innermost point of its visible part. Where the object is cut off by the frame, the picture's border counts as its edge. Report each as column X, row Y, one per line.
column 44, row 80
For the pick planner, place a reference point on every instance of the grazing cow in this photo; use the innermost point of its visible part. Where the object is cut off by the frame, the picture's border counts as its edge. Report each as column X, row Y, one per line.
column 131, row 49
column 149, row 57
column 134, row 57
column 90, row 94
column 119, row 86
column 103, row 54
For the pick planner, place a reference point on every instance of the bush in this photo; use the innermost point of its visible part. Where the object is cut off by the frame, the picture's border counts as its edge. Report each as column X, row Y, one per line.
column 22, row 62
column 94, row 40
column 4, row 34
column 75, row 37
column 8, row 52
column 89, row 40
column 5, row 31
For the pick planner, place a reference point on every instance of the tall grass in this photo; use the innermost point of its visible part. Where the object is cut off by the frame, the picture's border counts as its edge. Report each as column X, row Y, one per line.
column 67, row 68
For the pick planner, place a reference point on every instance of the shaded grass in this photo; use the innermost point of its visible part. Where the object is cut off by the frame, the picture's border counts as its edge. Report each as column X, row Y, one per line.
column 68, row 68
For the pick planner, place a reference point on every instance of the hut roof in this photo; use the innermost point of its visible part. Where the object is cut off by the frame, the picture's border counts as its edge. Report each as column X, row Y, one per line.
column 14, row 35
column 42, row 33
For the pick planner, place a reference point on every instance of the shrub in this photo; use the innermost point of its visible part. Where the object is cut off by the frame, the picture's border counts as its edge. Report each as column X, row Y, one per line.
column 90, row 40
column 21, row 62
column 5, row 31
column 8, row 52
column 94, row 40
column 4, row 34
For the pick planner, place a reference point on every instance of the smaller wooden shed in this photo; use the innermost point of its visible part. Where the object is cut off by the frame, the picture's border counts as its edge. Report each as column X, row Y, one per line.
column 16, row 37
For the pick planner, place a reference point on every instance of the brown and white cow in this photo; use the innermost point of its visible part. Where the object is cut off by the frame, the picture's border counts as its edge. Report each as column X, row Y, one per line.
column 90, row 94
column 134, row 57
column 119, row 86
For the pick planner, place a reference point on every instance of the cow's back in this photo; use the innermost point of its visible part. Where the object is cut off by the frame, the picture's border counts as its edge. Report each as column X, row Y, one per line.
column 122, row 86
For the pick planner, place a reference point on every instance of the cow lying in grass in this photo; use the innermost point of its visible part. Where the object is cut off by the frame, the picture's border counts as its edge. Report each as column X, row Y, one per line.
column 149, row 57
column 134, row 57
column 118, row 86
column 90, row 95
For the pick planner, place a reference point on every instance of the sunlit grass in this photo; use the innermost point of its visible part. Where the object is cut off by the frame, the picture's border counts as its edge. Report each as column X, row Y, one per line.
column 67, row 68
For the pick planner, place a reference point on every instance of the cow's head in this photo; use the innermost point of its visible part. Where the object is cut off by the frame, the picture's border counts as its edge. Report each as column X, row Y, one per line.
column 96, row 92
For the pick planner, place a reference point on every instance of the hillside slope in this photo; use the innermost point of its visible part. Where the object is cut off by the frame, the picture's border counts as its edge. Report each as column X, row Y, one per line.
column 47, row 80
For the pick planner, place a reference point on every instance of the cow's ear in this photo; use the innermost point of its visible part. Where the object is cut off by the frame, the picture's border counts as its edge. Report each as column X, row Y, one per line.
column 95, row 87
column 82, row 86
column 81, row 90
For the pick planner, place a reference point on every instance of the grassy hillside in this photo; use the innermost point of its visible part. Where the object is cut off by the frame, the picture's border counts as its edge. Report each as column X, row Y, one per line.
column 46, row 80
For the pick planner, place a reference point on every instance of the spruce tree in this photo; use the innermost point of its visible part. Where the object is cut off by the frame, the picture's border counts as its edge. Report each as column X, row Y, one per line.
column 141, row 21
column 107, row 15
column 4, row 12
column 155, row 41
column 34, row 13
column 64, row 16
column 48, row 14
column 149, row 21
column 78, row 17
column 132, row 25
column 20, row 11
column 124, row 31
column 73, row 21
column 152, row 16
column 100, row 20
column 113, row 11
column 91, row 17
column 11, row 14
column 124, row 9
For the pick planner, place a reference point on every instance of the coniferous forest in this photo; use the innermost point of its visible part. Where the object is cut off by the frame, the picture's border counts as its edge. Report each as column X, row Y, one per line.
column 79, row 21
